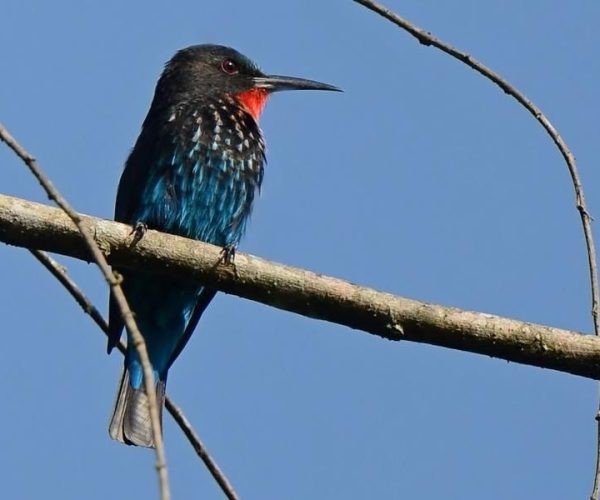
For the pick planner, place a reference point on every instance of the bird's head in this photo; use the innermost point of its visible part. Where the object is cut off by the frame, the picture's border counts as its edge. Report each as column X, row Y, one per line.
column 214, row 71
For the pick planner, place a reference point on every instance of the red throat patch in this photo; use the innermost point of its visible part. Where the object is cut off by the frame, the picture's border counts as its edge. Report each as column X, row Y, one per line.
column 254, row 101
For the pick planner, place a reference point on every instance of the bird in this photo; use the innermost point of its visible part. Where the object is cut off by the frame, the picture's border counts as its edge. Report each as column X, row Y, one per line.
column 194, row 171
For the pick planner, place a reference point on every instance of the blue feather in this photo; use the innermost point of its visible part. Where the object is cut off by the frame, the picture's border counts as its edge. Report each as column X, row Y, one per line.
column 185, row 179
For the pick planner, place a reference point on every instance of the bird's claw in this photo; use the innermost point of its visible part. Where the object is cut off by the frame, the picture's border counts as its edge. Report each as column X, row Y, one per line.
column 228, row 254
column 138, row 231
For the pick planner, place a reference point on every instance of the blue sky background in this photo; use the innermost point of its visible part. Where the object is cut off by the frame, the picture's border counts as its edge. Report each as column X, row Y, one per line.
column 422, row 179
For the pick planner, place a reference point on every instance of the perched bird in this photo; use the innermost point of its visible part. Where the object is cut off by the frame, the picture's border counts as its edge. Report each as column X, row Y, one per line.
column 194, row 171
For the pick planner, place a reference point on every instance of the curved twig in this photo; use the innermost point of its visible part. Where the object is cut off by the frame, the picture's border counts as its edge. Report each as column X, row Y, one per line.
column 114, row 284
column 60, row 273
column 426, row 38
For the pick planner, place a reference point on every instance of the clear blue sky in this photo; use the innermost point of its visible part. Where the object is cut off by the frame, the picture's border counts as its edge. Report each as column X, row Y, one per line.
column 422, row 179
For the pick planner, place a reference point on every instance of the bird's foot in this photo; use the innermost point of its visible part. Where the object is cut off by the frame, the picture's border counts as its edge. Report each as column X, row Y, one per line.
column 228, row 257
column 228, row 254
column 138, row 231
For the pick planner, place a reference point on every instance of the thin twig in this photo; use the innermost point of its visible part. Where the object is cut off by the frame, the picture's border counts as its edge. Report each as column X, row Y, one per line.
column 114, row 284
column 32, row 225
column 188, row 430
column 60, row 273
column 426, row 38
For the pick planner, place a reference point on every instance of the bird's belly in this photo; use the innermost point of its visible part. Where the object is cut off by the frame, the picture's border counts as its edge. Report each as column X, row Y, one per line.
column 202, row 203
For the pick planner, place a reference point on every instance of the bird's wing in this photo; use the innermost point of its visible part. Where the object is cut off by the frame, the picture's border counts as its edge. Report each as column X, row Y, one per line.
column 115, row 323
column 131, row 186
column 127, row 198
column 204, row 299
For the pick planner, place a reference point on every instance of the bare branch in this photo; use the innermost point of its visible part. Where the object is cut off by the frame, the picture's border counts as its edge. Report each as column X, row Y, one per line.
column 88, row 307
column 33, row 225
column 426, row 38
column 115, row 287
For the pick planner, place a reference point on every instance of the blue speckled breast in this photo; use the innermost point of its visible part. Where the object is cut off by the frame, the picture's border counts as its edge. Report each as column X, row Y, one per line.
column 194, row 172
column 203, row 185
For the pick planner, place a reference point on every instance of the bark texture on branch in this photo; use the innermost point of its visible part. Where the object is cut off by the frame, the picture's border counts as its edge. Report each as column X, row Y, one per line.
column 32, row 225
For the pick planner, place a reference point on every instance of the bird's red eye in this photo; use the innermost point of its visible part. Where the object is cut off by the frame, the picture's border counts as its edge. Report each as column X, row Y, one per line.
column 229, row 67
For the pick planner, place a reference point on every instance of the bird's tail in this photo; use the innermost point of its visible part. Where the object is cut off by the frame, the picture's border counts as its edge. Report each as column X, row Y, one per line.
column 130, row 422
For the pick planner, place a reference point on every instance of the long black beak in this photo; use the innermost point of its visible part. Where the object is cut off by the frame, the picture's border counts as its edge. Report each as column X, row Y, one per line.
column 275, row 83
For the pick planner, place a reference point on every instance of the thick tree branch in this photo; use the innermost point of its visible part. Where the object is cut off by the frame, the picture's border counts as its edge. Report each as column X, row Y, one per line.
column 33, row 225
